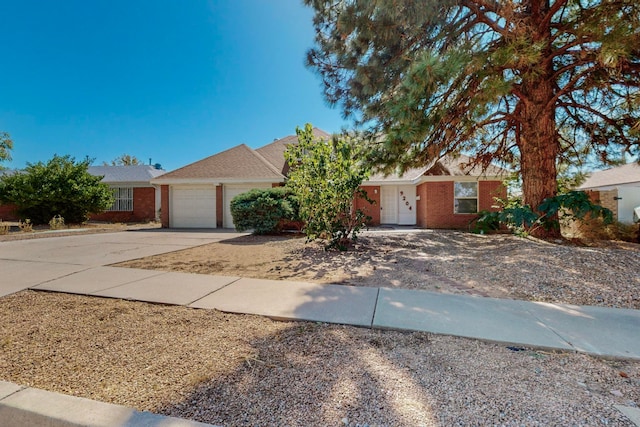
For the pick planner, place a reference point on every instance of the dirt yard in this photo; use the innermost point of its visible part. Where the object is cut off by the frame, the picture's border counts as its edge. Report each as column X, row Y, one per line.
column 501, row 266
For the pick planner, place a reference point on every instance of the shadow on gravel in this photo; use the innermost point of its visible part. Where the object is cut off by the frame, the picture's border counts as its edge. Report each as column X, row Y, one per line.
column 318, row 374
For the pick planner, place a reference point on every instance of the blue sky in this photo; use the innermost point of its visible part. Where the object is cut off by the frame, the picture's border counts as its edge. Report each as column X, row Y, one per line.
column 174, row 81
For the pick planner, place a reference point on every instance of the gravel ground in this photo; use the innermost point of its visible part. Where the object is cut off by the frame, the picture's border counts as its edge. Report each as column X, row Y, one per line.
column 236, row 370
column 501, row 266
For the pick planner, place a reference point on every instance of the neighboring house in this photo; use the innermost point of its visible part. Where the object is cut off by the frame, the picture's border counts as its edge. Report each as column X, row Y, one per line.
column 441, row 195
column 617, row 189
column 136, row 199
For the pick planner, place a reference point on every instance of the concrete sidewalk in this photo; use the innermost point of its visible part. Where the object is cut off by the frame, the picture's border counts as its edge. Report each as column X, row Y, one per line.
column 25, row 406
column 594, row 330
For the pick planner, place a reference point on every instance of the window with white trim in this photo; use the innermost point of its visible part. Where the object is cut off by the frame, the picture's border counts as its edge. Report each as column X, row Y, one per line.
column 465, row 197
column 123, row 199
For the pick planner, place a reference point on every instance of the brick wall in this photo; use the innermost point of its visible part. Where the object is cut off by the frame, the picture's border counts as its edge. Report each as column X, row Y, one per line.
column 373, row 210
column 144, row 207
column 8, row 213
column 219, row 206
column 144, row 203
column 489, row 190
column 421, row 205
column 164, row 206
column 606, row 199
column 435, row 207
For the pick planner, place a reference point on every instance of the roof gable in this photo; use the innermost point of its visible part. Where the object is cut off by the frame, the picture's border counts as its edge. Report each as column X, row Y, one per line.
column 274, row 152
column 623, row 174
column 460, row 165
column 410, row 175
column 239, row 163
column 445, row 166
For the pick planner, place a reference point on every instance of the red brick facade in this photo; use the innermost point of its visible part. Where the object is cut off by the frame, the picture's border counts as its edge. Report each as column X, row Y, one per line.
column 144, row 208
column 8, row 213
column 436, row 205
column 372, row 210
column 219, row 206
column 164, row 206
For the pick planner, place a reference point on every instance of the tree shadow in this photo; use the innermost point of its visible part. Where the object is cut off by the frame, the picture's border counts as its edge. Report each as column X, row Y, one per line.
column 502, row 266
column 403, row 260
column 316, row 374
column 259, row 239
column 311, row 373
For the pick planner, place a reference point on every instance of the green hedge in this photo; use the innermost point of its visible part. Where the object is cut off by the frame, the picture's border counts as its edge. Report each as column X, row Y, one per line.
column 264, row 210
column 61, row 187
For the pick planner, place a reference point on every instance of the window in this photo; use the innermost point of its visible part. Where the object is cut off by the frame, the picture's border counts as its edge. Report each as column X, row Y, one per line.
column 465, row 197
column 123, row 199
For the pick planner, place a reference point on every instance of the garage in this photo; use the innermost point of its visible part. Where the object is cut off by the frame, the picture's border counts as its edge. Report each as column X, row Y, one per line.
column 231, row 191
column 193, row 206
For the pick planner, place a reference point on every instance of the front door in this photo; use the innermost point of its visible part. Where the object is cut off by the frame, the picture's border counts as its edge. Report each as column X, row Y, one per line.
column 406, row 205
column 398, row 204
column 388, row 204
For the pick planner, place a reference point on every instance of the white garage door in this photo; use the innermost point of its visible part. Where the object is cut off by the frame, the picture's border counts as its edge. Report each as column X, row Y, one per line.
column 231, row 191
column 193, row 207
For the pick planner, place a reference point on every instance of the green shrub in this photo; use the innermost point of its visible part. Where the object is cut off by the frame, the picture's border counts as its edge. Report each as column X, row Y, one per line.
column 264, row 210
column 61, row 186
column 486, row 222
column 522, row 220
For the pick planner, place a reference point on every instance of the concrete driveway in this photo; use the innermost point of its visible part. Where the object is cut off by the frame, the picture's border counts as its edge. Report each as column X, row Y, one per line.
column 26, row 263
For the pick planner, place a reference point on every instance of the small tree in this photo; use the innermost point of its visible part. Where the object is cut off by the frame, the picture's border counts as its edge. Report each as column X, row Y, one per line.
column 61, row 187
column 124, row 160
column 6, row 145
column 326, row 176
column 264, row 210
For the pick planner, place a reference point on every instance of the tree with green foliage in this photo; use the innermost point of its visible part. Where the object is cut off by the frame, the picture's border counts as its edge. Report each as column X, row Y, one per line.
column 264, row 210
column 326, row 175
column 61, row 187
column 6, row 145
column 124, row 160
column 522, row 220
column 523, row 82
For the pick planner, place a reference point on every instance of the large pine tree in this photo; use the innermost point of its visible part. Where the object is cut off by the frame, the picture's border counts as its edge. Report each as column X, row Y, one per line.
column 522, row 82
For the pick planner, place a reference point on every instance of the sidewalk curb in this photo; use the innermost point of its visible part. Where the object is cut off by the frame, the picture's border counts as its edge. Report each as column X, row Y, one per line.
column 25, row 406
column 630, row 412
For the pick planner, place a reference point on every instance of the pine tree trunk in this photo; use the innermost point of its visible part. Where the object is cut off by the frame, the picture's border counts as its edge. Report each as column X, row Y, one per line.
column 539, row 151
column 538, row 141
